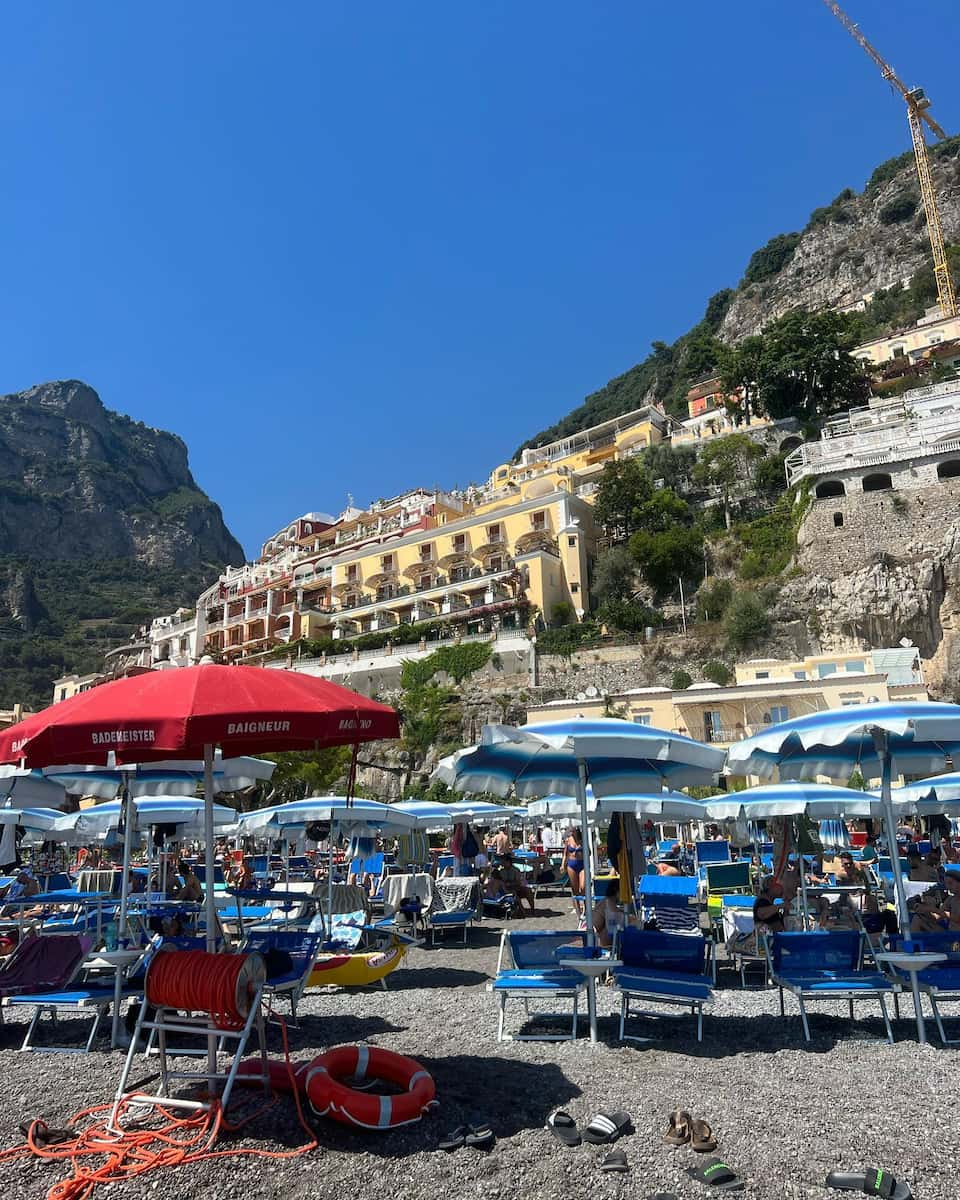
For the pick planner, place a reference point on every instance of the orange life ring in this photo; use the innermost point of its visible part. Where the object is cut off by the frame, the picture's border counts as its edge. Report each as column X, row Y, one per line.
column 329, row 1097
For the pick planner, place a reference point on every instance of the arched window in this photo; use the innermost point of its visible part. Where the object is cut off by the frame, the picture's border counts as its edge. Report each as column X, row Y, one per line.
column 949, row 469
column 830, row 487
column 881, row 482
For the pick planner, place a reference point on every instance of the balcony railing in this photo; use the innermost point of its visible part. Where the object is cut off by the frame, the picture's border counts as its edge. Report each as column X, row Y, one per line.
column 436, row 592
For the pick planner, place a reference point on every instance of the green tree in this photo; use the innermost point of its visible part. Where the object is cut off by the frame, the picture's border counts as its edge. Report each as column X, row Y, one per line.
column 624, row 487
column 614, row 575
column 562, row 614
column 671, row 464
column 740, row 370
column 302, row 773
column 664, row 557
column 727, row 464
column 680, row 680
column 807, row 370
column 717, row 672
column 664, row 510
column 628, row 616
column 713, row 596
column 746, row 621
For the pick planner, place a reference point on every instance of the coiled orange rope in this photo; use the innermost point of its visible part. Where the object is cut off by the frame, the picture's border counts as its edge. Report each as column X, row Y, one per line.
column 100, row 1156
column 194, row 981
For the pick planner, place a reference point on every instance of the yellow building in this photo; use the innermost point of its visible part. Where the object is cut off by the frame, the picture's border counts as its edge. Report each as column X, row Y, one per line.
column 499, row 554
column 581, row 457
column 498, row 560
column 933, row 337
column 766, row 692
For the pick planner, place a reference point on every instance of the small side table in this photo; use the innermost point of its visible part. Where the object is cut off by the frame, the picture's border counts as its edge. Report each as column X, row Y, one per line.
column 591, row 969
column 912, row 965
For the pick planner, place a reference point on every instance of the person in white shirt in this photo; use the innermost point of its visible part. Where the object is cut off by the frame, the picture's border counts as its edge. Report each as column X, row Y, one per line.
column 550, row 839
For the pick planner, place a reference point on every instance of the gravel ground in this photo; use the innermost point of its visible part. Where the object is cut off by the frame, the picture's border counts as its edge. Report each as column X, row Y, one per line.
column 785, row 1113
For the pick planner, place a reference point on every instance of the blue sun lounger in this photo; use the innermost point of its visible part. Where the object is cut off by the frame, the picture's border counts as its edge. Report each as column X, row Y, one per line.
column 825, row 965
column 303, row 949
column 536, row 974
column 940, row 981
column 663, row 968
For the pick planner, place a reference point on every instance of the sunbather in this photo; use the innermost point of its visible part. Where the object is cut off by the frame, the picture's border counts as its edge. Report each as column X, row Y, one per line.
column 191, row 889
column 921, row 870
column 23, row 887
column 608, row 915
column 937, row 909
column 515, row 884
column 768, row 916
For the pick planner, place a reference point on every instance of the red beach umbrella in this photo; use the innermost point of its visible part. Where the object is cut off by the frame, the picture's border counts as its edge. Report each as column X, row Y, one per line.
column 187, row 713
column 180, row 713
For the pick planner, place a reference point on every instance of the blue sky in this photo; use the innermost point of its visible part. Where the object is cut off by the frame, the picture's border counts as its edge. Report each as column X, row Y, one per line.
column 352, row 248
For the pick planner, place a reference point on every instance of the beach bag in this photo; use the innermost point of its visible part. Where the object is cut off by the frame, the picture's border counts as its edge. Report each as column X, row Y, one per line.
column 277, row 962
column 470, row 847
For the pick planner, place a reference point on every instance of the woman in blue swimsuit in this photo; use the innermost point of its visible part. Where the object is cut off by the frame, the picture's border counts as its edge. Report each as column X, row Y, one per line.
column 573, row 863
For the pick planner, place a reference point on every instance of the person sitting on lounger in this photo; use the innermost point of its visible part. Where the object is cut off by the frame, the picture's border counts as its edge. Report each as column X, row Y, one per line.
column 608, row 915
column 768, row 916
column 514, row 883
column 921, row 871
column 191, row 890
column 937, row 909
column 848, row 873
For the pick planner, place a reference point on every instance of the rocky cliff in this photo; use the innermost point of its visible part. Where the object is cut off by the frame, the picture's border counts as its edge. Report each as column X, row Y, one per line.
column 853, row 246
column 102, row 526
column 77, row 481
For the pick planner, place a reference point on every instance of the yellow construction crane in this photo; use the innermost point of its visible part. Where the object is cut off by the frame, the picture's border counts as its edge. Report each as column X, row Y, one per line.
column 918, row 114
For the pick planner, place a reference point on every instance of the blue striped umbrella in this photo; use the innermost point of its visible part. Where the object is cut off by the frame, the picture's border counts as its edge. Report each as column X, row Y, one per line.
column 877, row 739
column 939, row 794
column 561, row 757
column 299, row 813
column 154, row 810
column 176, row 777
column 820, row 801
column 18, row 785
column 668, row 806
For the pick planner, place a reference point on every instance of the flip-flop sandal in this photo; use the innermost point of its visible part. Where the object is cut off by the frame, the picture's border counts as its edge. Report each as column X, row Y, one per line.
column 454, row 1139
column 564, row 1128
column 607, row 1127
column 43, row 1135
column 616, row 1160
column 717, row 1175
column 678, row 1131
column 873, row 1182
column 480, row 1137
column 701, row 1137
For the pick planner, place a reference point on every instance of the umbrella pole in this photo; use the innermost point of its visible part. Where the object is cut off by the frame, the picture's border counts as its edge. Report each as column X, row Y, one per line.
column 128, row 818
column 802, row 868
column 881, row 741
column 587, row 893
column 210, row 905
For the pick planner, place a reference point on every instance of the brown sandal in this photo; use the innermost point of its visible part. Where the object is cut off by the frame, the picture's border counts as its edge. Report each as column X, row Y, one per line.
column 701, row 1137
column 678, row 1131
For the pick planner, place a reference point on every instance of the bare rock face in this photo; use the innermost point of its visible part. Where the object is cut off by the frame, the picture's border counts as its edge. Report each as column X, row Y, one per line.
column 890, row 570
column 78, row 481
column 859, row 244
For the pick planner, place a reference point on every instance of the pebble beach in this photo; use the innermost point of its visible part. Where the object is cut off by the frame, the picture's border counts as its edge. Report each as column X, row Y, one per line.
column 785, row 1113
